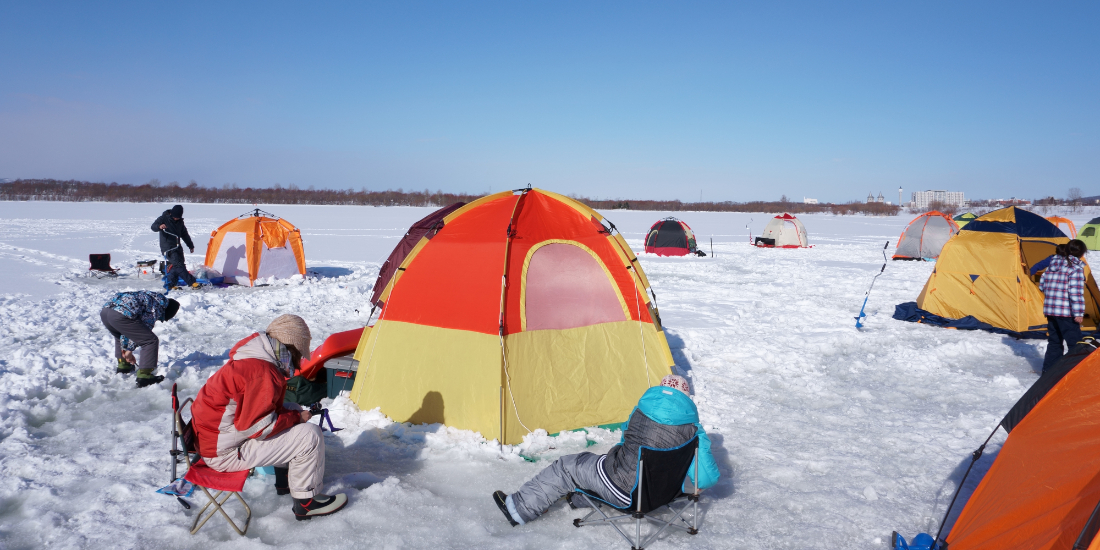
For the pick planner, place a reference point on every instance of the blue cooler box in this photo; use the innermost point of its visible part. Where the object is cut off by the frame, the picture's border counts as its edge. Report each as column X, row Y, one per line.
column 341, row 374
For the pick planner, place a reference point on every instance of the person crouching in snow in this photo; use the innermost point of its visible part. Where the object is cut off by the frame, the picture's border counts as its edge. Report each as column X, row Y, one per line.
column 130, row 317
column 1063, row 286
column 665, row 417
column 241, row 422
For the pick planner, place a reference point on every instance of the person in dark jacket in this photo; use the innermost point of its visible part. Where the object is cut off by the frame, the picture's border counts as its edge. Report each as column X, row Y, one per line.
column 130, row 317
column 665, row 417
column 173, row 235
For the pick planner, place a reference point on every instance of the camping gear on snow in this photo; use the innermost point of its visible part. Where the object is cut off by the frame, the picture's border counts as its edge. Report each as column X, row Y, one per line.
column 428, row 226
column 207, row 478
column 659, row 486
column 962, row 219
column 671, row 237
column 523, row 311
column 1090, row 234
column 1058, row 221
column 334, row 354
column 862, row 315
column 1043, row 488
column 256, row 245
column 925, row 236
column 783, row 231
column 983, row 277
column 147, row 269
column 101, row 265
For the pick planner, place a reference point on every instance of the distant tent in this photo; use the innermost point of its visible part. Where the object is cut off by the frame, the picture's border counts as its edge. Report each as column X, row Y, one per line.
column 256, row 245
column 427, row 226
column 1059, row 221
column 984, row 277
column 925, row 236
column 1090, row 234
column 1043, row 489
column 524, row 311
column 783, row 231
column 671, row 237
column 963, row 219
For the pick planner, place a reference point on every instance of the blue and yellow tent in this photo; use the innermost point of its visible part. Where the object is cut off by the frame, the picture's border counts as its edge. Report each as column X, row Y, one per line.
column 986, row 273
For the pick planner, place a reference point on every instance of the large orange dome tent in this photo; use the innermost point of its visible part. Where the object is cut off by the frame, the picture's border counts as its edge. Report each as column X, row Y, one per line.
column 1059, row 221
column 523, row 311
column 1043, row 489
column 256, row 245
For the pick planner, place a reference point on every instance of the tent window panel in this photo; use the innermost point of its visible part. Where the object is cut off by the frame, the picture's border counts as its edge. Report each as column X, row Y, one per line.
column 232, row 258
column 670, row 238
column 1088, row 232
column 567, row 288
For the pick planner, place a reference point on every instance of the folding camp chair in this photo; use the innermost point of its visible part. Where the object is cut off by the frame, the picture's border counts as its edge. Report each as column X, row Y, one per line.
column 101, row 265
column 657, row 496
column 206, row 478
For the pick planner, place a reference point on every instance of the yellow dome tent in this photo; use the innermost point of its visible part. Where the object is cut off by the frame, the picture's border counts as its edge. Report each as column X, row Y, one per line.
column 256, row 245
column 989, row 271
column 524, row 311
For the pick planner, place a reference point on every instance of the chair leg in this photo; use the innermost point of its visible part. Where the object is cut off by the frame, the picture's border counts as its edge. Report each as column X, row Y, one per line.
column 201, row 519
column 604, row 519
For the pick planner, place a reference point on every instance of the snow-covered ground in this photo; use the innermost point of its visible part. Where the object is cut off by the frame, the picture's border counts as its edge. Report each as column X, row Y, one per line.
column 827, row 437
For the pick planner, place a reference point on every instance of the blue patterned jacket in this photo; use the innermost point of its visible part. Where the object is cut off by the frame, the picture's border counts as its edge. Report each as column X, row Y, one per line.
column 142, row 305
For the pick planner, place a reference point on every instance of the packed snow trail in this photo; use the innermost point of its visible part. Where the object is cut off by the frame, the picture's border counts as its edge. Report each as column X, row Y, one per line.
column 827, row 437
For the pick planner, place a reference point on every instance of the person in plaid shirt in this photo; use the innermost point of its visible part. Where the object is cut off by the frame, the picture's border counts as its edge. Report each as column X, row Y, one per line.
column 1063, row 286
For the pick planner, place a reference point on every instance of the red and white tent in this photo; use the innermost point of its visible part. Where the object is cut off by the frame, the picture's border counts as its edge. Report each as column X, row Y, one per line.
column 783, row 231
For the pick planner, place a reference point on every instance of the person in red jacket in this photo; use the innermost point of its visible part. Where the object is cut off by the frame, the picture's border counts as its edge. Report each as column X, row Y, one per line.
column 241, row 422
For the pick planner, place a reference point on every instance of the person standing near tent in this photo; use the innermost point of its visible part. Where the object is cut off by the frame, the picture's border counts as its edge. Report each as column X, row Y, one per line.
column 1063, row 286
column 241, row 423
column 665, row 417
column 130, row 317
column 173, row 233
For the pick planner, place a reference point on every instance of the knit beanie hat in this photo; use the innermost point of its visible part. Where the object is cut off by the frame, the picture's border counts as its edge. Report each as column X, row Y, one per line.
column 292, row 331
column 678, row 382
column 171, row 309
column 177, row 211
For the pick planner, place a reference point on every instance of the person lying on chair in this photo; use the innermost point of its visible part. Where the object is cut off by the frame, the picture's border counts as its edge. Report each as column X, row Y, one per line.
column 130, row 317
column 241, row 422
column 665, row 417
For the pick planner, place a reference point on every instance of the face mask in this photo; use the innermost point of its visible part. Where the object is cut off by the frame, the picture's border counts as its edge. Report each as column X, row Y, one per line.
column 283, row 358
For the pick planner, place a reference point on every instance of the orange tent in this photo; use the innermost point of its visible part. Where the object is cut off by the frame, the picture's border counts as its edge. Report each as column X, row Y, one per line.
column 523, row 311
column 1045, row 483
column 1070, row 229
column 256, row 245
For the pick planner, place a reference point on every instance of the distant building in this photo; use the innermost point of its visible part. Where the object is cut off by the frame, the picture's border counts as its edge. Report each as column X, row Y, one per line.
column 809, row 201
column 921, row 199
column 880, row 198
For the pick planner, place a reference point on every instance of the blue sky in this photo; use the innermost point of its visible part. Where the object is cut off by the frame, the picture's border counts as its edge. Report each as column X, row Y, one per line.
column 733, row 101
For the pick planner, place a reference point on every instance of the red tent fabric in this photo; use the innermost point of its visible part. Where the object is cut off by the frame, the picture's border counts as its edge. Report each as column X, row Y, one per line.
column 429, row 225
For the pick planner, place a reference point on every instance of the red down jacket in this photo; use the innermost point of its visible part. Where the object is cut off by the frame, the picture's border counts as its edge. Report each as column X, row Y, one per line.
column 243, row 400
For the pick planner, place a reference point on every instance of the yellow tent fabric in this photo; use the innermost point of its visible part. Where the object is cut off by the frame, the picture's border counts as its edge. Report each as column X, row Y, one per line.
column 986, row 272
column 523, row 312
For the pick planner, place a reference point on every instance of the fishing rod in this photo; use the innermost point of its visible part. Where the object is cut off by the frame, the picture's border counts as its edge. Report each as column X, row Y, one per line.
column 862, row 315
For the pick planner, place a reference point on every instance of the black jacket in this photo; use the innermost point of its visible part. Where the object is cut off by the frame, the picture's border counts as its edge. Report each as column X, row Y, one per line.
column 168, row 242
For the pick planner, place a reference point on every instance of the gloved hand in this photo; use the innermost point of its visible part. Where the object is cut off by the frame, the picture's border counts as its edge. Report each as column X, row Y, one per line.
column 192, row 250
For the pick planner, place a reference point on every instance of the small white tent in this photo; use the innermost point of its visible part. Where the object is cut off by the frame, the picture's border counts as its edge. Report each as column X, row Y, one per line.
column 783, row 231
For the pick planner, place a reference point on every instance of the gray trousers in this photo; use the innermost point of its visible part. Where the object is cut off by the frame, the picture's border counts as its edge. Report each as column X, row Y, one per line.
column 301, row 448
column 118, row 325
column 566, row 474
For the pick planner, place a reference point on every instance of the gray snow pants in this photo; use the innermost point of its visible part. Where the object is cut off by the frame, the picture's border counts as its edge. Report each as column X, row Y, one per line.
column 566, row 474
column 301, row 448
column 118, row 325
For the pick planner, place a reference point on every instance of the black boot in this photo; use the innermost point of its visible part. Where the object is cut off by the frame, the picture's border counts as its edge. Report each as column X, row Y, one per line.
column 319, row 505
column 500, row 498
column 145, row 377
column 282, row 481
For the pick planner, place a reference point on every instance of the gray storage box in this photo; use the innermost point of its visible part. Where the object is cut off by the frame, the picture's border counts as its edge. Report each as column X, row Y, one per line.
column 340, row 372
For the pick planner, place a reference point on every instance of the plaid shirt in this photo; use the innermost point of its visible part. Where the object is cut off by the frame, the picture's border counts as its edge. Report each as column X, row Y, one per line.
column 1063, row 285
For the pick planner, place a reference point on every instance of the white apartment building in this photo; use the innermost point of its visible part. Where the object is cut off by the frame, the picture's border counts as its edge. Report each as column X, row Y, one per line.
column 921, row 199
column 806, row 200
